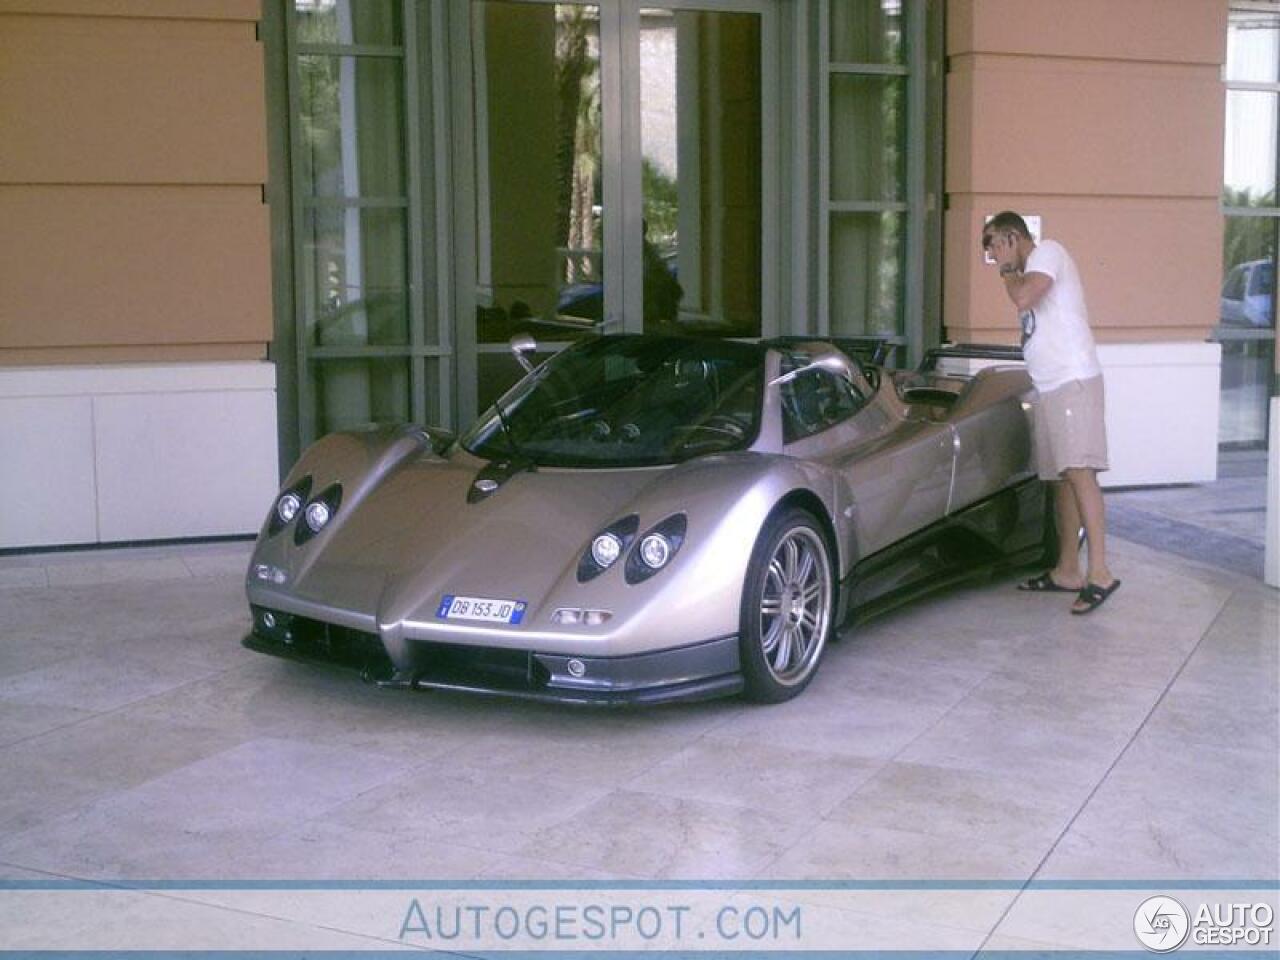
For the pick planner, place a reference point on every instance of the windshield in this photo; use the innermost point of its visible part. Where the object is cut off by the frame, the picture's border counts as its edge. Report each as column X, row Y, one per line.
column 622, row 401
column 1263, row 281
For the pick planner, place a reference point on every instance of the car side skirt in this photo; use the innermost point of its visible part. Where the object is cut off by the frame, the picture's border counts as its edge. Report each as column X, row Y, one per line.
column 1006, row 530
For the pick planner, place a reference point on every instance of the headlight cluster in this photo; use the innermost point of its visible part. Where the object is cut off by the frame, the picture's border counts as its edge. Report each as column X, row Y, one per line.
column 313, row 514
column 658, row 545
column 606, row 547
column 288, row 505
column 317, row 513
column 652, row 553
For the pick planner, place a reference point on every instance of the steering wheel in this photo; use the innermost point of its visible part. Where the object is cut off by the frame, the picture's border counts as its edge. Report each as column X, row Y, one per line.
column 722, row 423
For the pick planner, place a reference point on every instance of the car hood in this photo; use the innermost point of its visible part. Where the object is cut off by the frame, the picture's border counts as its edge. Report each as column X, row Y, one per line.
column 414, row 538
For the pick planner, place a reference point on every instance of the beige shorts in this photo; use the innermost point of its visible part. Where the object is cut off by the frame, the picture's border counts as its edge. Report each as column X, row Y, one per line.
column 1070, row 428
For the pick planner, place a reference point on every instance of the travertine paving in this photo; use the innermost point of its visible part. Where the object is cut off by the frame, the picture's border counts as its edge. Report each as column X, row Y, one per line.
column 979, row 734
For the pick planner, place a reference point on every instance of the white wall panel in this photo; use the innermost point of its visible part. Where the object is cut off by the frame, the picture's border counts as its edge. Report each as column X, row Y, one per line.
column 46, row 471
column 174, row 465
column 1162, row 412
column 135, row 452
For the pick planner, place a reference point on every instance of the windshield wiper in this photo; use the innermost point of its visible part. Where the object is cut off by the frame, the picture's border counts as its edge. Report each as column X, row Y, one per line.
column 518, row 456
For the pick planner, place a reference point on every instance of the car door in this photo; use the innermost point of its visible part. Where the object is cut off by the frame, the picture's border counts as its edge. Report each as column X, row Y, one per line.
column 892, row 475
column 992, row 439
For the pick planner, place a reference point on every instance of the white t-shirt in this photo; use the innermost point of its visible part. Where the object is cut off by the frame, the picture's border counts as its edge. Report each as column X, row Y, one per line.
column 1057, row 342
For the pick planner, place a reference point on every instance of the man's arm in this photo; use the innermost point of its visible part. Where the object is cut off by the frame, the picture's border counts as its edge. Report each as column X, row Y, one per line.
column 1024, row 289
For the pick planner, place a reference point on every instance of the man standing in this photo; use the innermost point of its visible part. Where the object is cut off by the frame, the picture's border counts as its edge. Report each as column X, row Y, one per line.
column 1070, row 434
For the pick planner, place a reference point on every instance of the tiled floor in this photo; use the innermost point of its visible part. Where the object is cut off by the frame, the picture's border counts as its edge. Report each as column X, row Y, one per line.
column 980, row 734
column 1223, row 522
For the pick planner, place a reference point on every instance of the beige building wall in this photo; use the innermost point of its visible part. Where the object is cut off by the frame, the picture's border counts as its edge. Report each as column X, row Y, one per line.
column 1105, row 117
column 132, row 162
column 135, row 267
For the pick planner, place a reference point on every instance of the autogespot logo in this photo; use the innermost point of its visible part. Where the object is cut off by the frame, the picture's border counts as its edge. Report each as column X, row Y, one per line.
column 1162, row 924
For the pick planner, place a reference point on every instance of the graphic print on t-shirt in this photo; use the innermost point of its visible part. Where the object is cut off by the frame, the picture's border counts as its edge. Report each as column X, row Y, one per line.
column 1028, row 320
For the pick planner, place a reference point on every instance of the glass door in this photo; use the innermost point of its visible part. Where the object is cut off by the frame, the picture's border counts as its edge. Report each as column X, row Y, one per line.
column 703, row 161
column 369, row 347
column 538, row 214
column 1247, row 313
column 609, row 171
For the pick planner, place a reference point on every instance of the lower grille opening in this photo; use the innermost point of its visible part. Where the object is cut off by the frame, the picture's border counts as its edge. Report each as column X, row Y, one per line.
column 445, row 664
column 488, row 667
column 304, row 639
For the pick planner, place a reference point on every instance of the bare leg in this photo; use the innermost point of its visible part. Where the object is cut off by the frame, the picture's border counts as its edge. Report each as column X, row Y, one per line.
column 1088, row 496
column 1066, row 515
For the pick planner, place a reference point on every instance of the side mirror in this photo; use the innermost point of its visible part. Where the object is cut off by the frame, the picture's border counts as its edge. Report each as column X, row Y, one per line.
column 831, row 361
column 523, row 346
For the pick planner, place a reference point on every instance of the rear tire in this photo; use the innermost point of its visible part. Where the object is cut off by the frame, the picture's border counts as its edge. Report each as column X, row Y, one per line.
column 788, row 602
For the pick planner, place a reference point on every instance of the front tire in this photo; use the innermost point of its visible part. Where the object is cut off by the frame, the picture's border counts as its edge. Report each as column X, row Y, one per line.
column 787, row 606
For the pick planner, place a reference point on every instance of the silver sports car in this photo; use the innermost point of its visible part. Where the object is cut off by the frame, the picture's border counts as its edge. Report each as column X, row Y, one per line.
column 647, row 518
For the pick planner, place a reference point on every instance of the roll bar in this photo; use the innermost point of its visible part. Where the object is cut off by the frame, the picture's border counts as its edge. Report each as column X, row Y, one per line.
column 971, row 351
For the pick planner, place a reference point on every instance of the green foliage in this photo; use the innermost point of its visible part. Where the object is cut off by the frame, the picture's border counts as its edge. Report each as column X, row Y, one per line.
column 578, row 101
column 661, row 205
column 1248, row 238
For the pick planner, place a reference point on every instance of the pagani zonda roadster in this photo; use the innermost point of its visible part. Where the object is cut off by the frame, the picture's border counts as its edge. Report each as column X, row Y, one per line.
column 648, row 518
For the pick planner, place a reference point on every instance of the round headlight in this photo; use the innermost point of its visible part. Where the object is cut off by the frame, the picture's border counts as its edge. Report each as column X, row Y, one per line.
column 317, row 515
column 605, row 549
column 288, row 506
column 655, row 551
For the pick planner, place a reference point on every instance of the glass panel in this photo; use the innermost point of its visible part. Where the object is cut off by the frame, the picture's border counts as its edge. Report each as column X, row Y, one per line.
column 700, row 117
column 868, row 136
column 612, row 402
column 357, row 393
column 868, row 251
column 1250, row 156
column 814, row 401
column 1247, row 369
column 433, row 371
column 1253, row 46
column 660, row 167
column 355, row 287
column 348, row 21
column 496, row 373
column 539, row 242
column 867, row 31
column 1249, row 273
column 352, row 126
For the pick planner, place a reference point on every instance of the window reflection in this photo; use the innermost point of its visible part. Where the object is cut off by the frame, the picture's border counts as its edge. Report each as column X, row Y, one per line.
column 356, row 293
column 375, row 22
column 1249, row 284
column 867, row 31
column 539, row 200
column 1249, row 159
column 701, row 134
column 1253, row 46
column 351, row 394
column 352, row 126
column 1247, row 307
column 868, row 251
column 1247, row 367
column 868, row 131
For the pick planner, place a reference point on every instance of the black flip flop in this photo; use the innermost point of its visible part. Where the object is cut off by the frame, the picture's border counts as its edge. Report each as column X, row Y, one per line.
column 1092, row 597
column 1045, row 584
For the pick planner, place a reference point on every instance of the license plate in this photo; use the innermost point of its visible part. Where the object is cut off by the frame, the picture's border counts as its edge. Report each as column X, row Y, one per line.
column 483, row 609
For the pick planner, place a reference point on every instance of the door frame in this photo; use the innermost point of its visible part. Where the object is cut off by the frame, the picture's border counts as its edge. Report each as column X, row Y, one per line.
column 621, row 174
